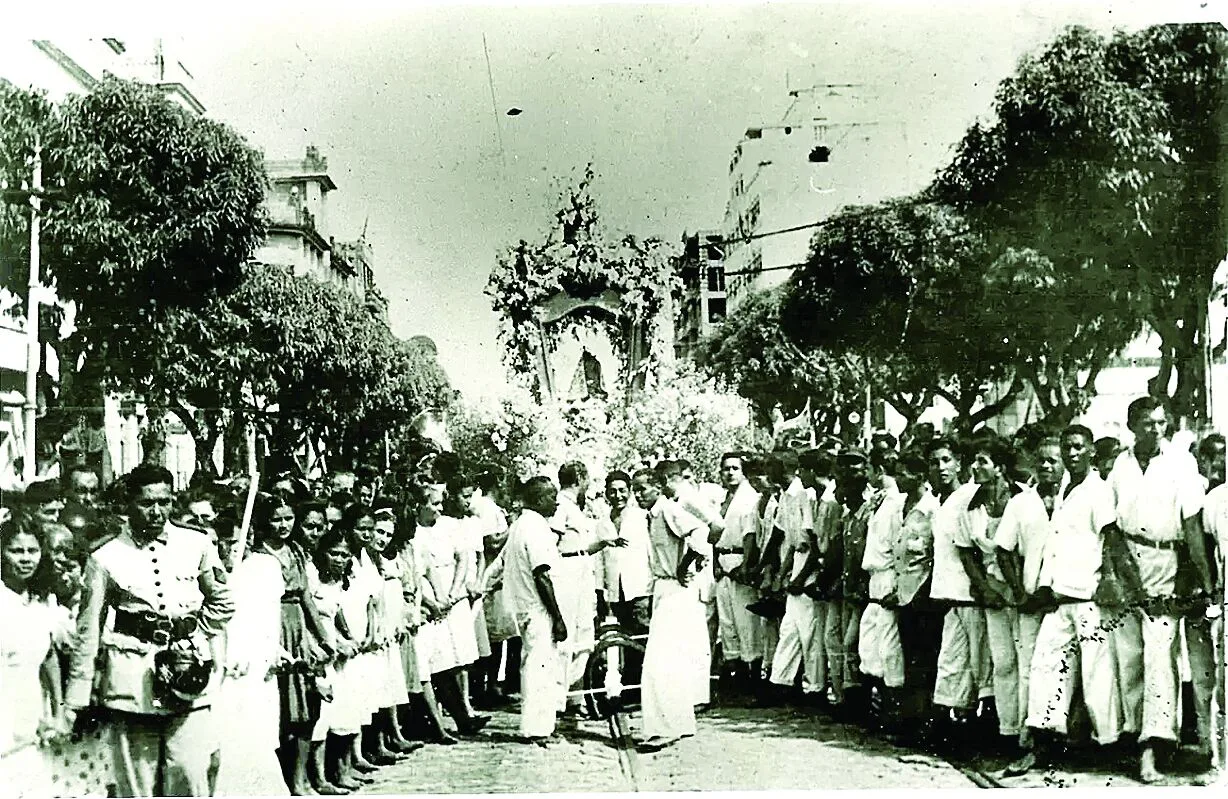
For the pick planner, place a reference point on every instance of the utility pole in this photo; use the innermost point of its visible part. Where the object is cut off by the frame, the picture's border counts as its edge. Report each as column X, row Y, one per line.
column 29, row 462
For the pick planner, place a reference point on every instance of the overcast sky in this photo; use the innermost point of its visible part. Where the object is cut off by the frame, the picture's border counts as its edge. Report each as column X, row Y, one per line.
column 655, row 96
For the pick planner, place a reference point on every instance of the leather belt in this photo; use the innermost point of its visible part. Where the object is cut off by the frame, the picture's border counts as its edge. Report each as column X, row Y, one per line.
column 727, row 550
column 1167, row 546
column 573, row 554
column 153, row 628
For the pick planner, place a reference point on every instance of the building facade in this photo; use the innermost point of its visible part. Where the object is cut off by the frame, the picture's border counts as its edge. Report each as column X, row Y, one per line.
column 824, row 153
column 300, row 233
column 703, row 303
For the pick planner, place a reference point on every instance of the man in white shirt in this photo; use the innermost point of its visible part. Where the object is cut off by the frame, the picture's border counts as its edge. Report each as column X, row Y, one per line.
column 740, row 631
column 799, row 648
column 627, row 580
column 576, row 581
column 1073, row 641
column 530, row 557
column 675, row 663
column 963, row 659
column 1158, row 496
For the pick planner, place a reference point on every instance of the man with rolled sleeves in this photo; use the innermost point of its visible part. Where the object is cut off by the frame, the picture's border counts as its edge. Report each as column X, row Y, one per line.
column 1158, row 494
column 153, row 602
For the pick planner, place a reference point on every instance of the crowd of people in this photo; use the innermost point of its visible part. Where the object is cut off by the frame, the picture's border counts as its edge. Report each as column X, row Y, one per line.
column 1022, row 593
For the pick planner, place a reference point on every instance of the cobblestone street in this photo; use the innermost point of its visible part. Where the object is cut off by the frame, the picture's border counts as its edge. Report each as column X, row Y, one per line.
column 736, row 749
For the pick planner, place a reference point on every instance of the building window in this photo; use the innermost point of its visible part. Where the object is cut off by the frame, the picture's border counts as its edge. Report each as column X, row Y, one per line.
column 716, row 278
column 716, row 309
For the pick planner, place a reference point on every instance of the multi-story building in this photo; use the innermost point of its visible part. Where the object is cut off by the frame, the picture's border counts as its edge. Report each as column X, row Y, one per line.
column 788, row 175
column 299, row 235
column 702, row 307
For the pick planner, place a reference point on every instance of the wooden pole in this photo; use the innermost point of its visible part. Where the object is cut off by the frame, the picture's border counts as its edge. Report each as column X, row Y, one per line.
column 29, row 469
column 253, row 487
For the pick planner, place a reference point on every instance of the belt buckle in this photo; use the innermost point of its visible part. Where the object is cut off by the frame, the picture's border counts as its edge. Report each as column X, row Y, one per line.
column 163, row 627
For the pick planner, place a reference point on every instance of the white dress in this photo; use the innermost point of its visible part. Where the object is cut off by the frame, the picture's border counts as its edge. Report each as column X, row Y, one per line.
column 451, row 641
column 395, row 690
column 247, row 707
column 359, row 674
column 25, row 639
column 327, row 597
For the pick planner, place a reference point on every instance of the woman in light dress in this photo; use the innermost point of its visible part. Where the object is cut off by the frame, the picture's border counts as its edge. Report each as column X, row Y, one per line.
column 393, row 630
column 422, row 718
column 332, row 746
column 30, row 688
column 247, row 707
column 449, row 631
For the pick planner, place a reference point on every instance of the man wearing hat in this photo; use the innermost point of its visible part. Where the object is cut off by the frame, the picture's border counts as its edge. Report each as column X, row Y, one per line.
column 154, row 599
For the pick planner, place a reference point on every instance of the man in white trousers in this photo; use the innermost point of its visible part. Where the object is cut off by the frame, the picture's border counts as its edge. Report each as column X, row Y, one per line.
column 741, row 639
column 678, row 631
column 530, row 557
column 799, row 648
column 1158, row 494
column 1072, row 643
column 576, row 576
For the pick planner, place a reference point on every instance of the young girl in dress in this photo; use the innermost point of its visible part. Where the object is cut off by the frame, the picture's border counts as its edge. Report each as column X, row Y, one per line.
column 30, row 689
column 332, row 768
column 421, row 717
column 450, row 632
column 393, row 630
column 304, row 638
column 361, row 605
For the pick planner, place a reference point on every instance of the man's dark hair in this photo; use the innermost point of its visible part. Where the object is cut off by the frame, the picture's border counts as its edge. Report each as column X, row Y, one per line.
column 667, row 470
column 536, row 489
column 912, row 461
column 366, row 473
column 741, row 456
column 788, row 460
column 487, row 479
column 147, row 474
column 651, row 475
column 1142, row 407
column 1085, row 432
column 997, row 448
column 883, row 436
column 1206, row 447
column 615, row 476
column 571, row 474
column 685, row 464
column 80, row 468
column 817, row 462
column 1047, row 441
column 942, row 442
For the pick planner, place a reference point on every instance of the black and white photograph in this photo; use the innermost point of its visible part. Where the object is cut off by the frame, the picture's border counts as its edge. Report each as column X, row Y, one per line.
column 560, row 398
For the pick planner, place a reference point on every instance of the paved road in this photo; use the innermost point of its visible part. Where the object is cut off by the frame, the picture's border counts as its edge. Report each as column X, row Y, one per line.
column 736, row 749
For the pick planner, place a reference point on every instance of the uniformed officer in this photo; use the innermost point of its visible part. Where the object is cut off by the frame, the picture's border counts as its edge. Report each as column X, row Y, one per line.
column 153, row 602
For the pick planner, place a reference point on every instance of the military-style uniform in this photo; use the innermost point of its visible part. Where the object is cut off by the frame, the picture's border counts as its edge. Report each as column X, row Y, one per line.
column 139, row 597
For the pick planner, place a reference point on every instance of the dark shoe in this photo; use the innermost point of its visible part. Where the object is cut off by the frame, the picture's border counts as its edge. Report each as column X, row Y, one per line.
column 475, row 725
column 363, row 766
column 1021, row 766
